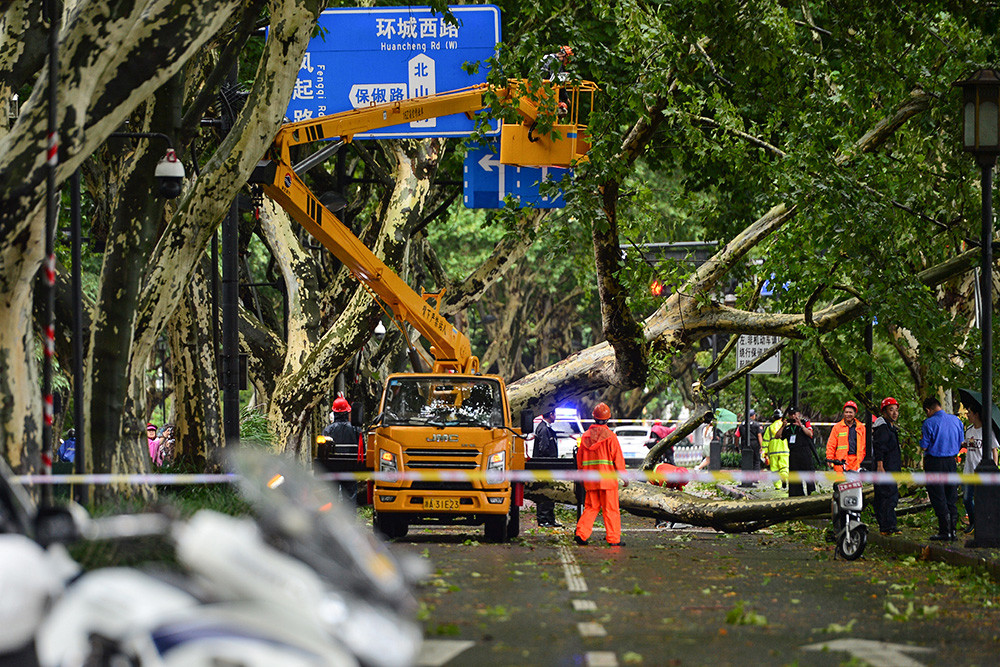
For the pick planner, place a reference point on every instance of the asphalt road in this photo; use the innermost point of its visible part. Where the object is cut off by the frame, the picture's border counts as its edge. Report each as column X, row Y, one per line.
column 694, row 597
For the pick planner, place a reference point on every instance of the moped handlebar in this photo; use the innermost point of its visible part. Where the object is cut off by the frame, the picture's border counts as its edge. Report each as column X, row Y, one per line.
column 836, row 462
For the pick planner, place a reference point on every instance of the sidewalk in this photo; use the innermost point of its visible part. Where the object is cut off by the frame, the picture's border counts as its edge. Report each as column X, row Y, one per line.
column 910, row 542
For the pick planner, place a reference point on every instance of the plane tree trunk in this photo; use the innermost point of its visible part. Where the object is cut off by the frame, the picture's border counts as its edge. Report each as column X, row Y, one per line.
column 112, row 61
column 197, row 403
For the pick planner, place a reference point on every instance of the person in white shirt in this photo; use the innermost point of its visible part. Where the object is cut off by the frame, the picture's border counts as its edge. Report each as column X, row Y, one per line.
column 973, row 455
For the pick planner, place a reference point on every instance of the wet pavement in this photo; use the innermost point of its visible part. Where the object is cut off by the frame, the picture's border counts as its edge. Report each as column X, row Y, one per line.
column 689, row 596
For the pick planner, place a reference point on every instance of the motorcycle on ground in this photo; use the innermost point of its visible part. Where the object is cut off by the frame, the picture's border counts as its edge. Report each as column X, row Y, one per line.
column 299, row 584
column 849, row 532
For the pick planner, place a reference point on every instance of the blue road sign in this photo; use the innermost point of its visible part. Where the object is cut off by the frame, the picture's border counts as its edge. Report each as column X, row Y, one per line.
column 486, row 182
column 364, row 56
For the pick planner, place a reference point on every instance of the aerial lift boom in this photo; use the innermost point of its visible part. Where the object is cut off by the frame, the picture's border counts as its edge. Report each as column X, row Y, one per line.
column 454, row 417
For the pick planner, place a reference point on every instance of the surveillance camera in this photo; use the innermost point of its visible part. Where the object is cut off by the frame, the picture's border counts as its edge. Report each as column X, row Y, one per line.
column 170, row 175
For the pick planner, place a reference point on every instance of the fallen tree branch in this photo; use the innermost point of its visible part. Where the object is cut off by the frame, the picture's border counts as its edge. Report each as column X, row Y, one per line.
column 729, row 516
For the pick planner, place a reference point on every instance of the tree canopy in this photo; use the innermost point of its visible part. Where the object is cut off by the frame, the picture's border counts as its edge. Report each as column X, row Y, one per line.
column 815, row 143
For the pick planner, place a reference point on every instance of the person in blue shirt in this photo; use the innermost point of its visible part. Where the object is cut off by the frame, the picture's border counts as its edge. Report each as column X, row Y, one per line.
column 67, row 450
column 941, row 438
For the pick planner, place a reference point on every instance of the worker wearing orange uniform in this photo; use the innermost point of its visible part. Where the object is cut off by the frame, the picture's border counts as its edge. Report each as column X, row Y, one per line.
column 600, row 451
column 847, row 440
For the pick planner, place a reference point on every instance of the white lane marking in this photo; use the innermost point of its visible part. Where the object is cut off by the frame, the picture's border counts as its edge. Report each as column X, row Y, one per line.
column 601, row 659
column 574, row 579
column 437, row 652
column 874, row 653
column 575, row 583
column 591, row 629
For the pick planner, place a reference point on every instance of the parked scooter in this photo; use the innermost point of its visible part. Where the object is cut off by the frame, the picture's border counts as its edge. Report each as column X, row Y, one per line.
column 850, row 533
column 300, row 584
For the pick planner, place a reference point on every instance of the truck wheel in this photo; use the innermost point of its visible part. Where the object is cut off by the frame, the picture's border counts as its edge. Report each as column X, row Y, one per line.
column 514, row 521
column 393, row 526
column 495, row 529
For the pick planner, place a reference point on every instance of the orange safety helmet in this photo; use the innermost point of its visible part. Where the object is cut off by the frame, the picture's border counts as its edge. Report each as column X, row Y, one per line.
column 851, row 404
column 566, row 52
column 602, row 412
column 340, row 404
column 887, row 401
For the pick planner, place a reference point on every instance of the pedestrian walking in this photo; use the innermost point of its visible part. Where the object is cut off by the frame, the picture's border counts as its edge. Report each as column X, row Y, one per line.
column 600, row 451
column 847, row 440
column 546, row 446
column 941, row 437
column 888, row 458
column 798, row 431
column 973, row 455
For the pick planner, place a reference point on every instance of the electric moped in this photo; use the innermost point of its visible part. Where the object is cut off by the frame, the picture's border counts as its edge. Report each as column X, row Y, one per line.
column 850, row 533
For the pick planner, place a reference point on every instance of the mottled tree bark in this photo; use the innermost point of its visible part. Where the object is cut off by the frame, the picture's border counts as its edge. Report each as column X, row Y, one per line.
column 197, row 403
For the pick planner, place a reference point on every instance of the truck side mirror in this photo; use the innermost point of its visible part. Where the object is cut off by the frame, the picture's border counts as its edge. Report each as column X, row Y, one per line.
column 527, row 420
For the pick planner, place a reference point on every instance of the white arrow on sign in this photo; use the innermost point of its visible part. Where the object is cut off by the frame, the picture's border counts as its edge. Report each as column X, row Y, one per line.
column 875, row 653
column 487, row 163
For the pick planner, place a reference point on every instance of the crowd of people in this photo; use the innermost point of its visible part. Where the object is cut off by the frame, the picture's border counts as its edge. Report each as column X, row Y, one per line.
column 787, row 442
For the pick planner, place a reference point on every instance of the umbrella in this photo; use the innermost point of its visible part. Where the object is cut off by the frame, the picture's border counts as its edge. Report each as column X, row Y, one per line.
column 725, row 420
column 973, row 400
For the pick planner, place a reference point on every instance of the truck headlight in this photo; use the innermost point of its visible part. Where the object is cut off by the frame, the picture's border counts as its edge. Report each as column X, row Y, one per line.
column 497, row 461
column 387, row 461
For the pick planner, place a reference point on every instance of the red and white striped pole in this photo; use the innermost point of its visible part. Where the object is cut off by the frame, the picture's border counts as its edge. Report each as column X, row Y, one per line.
column 51, row 217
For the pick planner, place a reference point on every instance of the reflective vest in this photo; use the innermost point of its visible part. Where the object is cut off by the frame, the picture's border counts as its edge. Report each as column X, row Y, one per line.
column 837, row 445
column 774, row 445
column 599, row 450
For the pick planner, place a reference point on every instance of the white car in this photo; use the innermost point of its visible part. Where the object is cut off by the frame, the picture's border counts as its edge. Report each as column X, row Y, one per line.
column 569, row 429
column 633, row 439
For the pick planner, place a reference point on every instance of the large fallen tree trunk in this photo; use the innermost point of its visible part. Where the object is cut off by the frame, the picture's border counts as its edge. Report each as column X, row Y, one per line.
column 730, row 516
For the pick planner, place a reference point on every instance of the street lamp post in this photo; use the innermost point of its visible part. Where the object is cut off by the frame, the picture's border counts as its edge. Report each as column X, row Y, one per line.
column 981, row 131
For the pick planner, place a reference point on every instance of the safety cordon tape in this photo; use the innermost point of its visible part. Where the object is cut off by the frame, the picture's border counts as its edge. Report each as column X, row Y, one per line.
column 499, row 477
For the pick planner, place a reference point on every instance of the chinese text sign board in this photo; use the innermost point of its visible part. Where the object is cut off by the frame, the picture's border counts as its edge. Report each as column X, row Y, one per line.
column 486, row 182
column 365, row 56
column 749, row 348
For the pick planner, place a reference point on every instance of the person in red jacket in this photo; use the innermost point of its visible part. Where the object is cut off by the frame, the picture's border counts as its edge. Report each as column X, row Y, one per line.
column 600, row 451
column 847, row 440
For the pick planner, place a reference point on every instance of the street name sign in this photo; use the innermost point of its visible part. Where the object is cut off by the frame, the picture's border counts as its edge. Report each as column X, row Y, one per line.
column 486, row 182
column 370, row 55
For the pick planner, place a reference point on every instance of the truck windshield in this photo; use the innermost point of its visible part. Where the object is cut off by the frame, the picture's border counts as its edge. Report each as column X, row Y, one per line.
column 442, row 401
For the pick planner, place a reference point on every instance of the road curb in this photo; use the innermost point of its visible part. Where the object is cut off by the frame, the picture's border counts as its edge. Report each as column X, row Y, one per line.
column 956, row 556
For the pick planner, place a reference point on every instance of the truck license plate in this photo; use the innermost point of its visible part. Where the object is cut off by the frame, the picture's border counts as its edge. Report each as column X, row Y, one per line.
column 440, row 503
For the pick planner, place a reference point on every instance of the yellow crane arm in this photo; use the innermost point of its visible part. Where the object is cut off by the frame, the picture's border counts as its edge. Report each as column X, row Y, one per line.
column 450, row 347
column 278, row 180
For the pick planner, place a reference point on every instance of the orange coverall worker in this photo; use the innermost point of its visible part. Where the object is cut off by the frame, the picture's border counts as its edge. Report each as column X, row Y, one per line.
column 837, row 446
column 600, row 450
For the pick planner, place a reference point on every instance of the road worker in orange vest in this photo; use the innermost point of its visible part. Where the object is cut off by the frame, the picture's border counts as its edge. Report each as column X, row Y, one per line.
column 600, row 451
column 847, row 440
